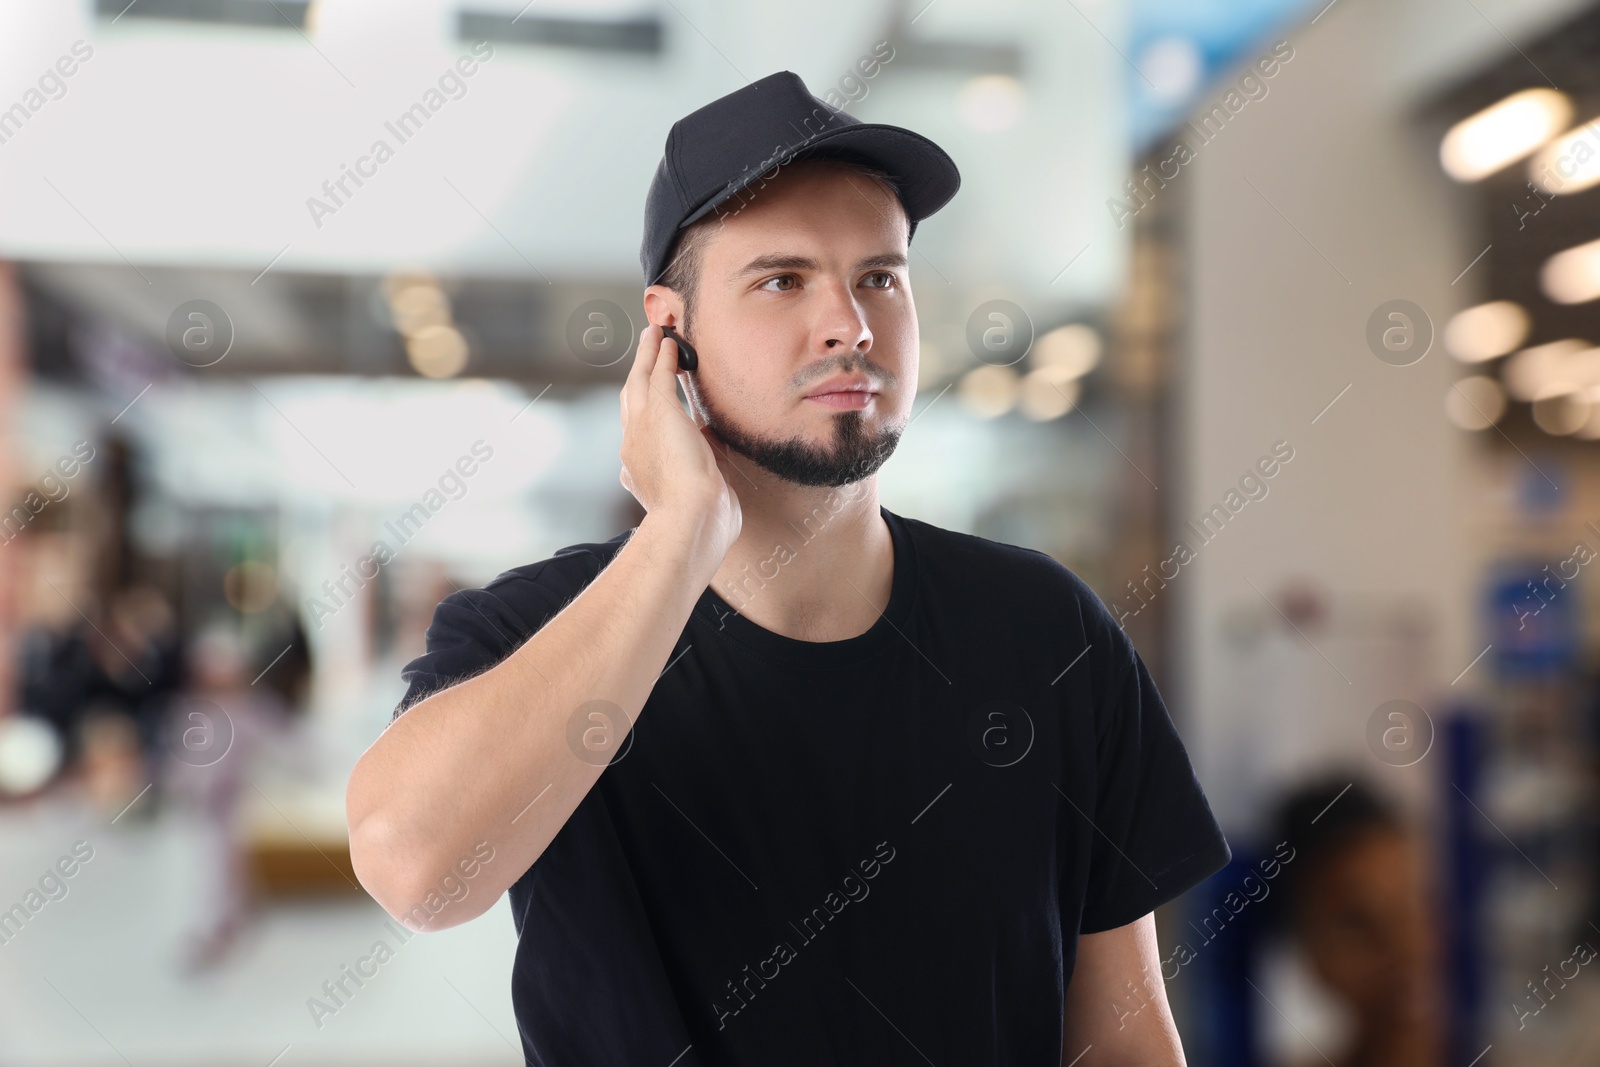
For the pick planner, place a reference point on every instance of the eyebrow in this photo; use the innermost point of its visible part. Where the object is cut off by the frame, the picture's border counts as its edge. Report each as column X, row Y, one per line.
column 762, row 264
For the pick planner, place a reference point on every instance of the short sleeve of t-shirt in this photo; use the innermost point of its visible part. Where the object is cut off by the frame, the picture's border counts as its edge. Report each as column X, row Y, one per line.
column 1154, row 834
column 472, row 630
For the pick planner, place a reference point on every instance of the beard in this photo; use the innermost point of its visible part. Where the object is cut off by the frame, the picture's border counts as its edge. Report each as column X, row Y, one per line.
column 855, row 451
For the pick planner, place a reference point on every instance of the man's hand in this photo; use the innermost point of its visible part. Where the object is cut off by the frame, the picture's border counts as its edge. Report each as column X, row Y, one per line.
column 671, row 463
column 1116, row 1009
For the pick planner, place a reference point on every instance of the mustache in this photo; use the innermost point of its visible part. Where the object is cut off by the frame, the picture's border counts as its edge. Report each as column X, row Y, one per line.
column 848, row 365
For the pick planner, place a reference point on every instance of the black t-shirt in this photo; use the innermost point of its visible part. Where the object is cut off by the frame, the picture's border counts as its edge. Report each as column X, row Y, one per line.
column 876, row 850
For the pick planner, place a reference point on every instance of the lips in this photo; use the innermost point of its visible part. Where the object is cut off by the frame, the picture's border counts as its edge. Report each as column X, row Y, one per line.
column 842, row 385
column 844, row 399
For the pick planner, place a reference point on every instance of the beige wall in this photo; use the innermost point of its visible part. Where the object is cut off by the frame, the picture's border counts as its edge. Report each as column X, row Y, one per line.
column 1373, row 507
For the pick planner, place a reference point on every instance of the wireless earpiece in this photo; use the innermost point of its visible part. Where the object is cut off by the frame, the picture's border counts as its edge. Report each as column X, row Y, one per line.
column 688, row 359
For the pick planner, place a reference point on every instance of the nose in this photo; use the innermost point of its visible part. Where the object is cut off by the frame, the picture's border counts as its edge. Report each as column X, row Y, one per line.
column 844, row 325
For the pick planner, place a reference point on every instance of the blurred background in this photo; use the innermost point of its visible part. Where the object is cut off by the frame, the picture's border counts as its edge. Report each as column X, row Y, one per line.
column 1274, row 320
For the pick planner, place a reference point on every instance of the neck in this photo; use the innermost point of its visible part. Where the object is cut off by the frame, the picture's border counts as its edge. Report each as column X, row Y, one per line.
column 811, row 563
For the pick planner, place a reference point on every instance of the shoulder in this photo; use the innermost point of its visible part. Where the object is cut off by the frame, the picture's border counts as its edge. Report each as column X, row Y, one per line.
column 473, row 629
column 524, row 594
column 1011, row 578
column 514, row 604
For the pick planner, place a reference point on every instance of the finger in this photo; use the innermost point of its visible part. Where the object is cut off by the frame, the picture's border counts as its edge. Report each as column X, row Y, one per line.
column 666, row 357
column 644, row 354
column 663, row 376
column 639, row 373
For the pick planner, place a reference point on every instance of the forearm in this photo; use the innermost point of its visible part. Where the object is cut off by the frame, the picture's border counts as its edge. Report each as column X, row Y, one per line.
column 489, row 759
column 1116, row 1011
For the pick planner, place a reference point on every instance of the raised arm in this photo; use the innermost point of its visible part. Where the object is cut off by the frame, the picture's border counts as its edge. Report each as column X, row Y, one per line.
column 463, row 766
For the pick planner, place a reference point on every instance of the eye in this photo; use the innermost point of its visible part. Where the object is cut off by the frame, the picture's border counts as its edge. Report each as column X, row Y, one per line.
column 892, row 280
column 778, row 278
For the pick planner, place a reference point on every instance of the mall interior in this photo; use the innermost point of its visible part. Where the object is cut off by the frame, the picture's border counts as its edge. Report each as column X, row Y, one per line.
column 1298, row 367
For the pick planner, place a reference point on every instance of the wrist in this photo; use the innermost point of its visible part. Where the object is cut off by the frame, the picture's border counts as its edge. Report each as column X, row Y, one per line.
column 680, row 538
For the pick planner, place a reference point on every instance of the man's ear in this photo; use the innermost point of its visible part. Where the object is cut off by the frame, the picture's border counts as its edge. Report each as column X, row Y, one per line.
column 662, row 306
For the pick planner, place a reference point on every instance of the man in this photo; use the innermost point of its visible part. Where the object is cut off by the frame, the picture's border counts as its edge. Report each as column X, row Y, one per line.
column 780, row 776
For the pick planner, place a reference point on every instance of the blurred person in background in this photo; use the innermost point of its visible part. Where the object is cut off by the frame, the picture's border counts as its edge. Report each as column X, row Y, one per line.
column 58, row 679
column 218, row 728
column 1355, row 902
column 142, row 626
column 103, row 681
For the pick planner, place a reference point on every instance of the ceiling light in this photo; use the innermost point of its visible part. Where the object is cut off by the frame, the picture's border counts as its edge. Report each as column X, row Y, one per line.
column 1573, row 276
column 1503, row 133
column 1486, row 331
column 1562, row 415
column 437, row 351
column 1073, row 350
column 992, row 103
column 1570, row 163
column 1045, row 395
column 1475, row 403
column 988, row 391
column 1590, row 430
column 418, row 307
column 397, row 280
column 1543, row 369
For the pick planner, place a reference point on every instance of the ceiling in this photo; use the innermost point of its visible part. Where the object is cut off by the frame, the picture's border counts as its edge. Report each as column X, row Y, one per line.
column 204, row 140
column 185, row 155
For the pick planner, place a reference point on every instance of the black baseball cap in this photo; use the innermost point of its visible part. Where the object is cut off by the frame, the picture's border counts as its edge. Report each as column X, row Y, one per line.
column 714, row 153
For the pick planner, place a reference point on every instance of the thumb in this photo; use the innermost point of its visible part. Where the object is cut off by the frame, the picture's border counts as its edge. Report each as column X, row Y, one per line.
column 713, row 438
column 719, row 450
